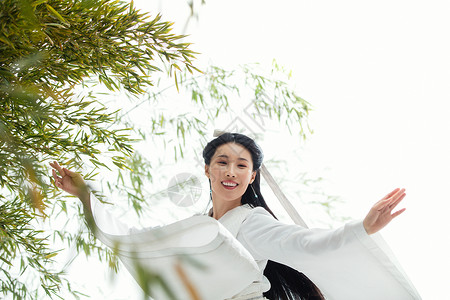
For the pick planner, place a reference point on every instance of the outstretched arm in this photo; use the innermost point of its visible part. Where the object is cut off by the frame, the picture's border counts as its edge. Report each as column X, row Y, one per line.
column 381, row 213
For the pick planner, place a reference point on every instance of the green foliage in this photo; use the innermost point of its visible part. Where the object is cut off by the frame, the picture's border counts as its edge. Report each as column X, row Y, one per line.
column 49, row 42
column 17, row 237
column 48, row 48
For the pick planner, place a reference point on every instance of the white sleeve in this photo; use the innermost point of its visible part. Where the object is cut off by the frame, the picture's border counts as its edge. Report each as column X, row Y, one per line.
column 345, row 263
column 293, row 245
column 107, row 222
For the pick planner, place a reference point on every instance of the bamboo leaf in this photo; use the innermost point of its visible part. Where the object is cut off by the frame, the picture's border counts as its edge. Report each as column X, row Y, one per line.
column 56, row 14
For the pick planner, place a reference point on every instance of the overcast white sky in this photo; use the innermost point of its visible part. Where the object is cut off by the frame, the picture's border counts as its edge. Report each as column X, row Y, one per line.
column 377, row 74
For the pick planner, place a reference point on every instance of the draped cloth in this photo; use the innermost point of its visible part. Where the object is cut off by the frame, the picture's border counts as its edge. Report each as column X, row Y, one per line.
column 197, row 258
column 226, row 259
column 345, row 263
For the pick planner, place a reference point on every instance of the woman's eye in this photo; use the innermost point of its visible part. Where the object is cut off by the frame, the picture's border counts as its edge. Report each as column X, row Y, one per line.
column 224, row 163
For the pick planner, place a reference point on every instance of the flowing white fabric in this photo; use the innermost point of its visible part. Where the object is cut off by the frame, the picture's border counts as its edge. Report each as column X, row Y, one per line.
column 213, row 264
column 232, row 221
column 345, row 263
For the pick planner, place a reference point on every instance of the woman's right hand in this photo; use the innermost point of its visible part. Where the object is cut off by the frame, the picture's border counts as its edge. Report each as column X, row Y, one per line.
column 68, row 181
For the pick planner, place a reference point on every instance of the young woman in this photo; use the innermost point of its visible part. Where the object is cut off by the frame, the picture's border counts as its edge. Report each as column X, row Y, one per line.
column 282, row 252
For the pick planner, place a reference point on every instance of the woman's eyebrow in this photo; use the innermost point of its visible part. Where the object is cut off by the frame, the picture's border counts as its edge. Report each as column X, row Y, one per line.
column 226, row 156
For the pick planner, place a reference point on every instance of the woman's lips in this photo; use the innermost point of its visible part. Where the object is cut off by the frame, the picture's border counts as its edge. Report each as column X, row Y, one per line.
column 228, row 187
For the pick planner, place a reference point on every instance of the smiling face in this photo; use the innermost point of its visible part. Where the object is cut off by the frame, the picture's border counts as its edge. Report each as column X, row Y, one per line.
column 230, row 172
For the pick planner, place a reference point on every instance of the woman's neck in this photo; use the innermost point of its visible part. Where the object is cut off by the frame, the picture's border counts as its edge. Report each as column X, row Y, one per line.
column 222, row 207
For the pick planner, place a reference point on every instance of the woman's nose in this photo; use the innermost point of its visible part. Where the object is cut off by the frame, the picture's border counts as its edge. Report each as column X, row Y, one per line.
column 230, row 171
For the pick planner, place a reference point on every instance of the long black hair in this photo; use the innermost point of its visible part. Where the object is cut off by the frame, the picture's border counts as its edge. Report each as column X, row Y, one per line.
column 286, row 283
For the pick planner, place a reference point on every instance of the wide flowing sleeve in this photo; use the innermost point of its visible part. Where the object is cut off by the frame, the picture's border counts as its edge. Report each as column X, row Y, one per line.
column 187, row 256
column 107, row 222
column 345, row 263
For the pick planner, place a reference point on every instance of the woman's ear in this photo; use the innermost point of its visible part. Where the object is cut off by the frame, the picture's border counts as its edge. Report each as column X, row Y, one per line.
column 253, row 177
column 207, row 171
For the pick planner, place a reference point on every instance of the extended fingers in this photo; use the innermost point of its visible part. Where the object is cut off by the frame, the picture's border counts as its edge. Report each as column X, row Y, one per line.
column 390, row 202
column 69, row 173
column 398, row 212
column 397, row 200
column 385, row 199
column 391, row 194
column 57, row 179
column 397, row 197
column 54, row 174
column 56, row 166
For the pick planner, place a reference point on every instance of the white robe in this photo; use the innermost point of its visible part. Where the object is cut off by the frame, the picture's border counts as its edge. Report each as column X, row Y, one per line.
column 345, row 263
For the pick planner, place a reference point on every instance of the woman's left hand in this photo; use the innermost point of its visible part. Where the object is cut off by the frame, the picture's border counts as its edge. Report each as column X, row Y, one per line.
column 381, row 213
